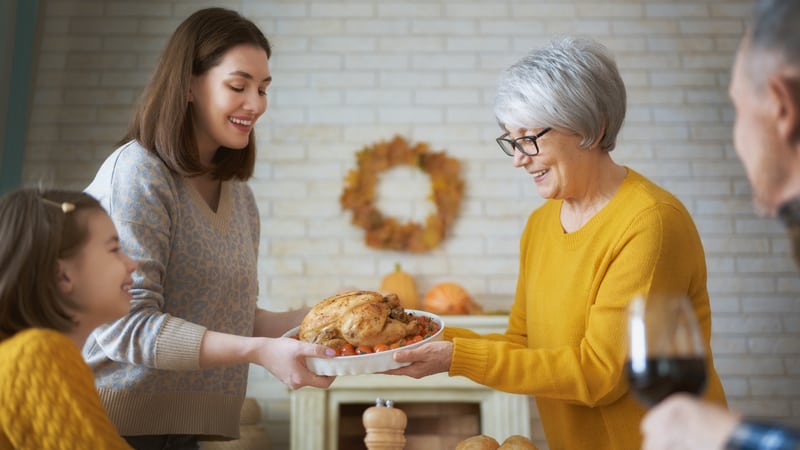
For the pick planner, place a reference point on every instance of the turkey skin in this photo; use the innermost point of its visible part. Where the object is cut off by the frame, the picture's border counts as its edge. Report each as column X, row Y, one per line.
column 359, row 318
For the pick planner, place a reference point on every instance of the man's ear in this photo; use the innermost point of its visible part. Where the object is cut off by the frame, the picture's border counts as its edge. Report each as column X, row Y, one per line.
column 63, row 278
column 786, row 90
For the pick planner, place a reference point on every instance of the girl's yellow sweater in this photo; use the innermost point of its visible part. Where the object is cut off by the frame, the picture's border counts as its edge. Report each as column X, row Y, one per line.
column 566, row 338
column 47, row 396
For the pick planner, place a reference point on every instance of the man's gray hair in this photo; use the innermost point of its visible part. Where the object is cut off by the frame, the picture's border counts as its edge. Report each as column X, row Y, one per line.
column 774, row 33
column 572, row 84
column 777, row 27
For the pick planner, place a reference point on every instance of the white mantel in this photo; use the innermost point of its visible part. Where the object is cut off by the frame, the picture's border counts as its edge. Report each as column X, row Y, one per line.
column 502, row 414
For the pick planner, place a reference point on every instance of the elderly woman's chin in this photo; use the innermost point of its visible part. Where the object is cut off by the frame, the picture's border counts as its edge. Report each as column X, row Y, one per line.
column 546, row 190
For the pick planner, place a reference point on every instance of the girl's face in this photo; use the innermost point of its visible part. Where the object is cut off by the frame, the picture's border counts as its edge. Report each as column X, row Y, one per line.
column 98, row 277
column 229, row 98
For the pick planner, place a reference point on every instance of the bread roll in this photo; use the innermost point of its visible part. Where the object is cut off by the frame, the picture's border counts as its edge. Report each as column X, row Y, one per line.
column 479, row 442
column 517, row 442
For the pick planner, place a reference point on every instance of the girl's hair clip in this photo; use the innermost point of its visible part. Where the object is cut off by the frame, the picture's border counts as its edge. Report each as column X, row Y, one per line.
column 67, row 207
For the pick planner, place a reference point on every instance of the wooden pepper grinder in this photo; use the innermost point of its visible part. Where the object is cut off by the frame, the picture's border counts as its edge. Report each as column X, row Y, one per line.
column 385, row 425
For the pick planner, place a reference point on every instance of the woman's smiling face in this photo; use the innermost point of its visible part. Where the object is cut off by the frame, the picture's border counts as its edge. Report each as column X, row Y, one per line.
column 557, row 170
column 229, row 98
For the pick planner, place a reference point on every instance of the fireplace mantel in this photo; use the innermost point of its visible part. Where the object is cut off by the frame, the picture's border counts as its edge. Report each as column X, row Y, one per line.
column 315, row 412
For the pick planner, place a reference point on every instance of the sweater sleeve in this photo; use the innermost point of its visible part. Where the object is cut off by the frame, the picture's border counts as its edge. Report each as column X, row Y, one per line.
column 50, row 401
column 658, row 252
column 139, row 193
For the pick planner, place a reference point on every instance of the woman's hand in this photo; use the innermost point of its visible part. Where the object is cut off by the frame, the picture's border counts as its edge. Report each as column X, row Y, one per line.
column 685, row 422
column 427, row 359
column 286, row 359
column 283, row 357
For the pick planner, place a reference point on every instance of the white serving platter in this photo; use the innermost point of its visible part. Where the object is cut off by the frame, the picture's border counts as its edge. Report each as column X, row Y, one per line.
column 368, row 363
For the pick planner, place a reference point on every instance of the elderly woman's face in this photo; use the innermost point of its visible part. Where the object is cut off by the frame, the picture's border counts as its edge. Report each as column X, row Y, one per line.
column 559, row 169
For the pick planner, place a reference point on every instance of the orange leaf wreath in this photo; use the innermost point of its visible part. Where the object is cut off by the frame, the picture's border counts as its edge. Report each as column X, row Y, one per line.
column 388, row 233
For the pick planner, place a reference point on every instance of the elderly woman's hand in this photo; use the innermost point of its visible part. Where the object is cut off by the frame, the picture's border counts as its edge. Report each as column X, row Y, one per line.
column 427, row 359
column 685, row 422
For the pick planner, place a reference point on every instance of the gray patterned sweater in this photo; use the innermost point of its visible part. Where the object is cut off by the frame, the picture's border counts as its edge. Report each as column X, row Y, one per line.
column 197, row 271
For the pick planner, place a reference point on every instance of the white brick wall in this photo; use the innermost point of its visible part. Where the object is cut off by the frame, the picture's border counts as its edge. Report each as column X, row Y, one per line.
column 350, row 72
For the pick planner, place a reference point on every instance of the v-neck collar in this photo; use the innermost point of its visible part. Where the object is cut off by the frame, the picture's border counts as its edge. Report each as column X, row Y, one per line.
column 588, row 230
column 221, row 218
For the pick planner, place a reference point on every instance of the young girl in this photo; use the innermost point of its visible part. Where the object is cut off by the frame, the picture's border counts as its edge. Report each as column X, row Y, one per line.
column 174, row 370
column 62, row 275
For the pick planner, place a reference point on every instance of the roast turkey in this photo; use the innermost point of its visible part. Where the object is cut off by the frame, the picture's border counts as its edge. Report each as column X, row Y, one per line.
column 358, row 317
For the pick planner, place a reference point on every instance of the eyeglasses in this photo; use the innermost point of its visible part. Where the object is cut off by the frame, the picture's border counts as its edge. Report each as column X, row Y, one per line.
column 525, row 144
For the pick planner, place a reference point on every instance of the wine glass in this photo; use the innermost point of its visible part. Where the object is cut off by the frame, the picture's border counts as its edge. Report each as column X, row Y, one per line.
column 666, row 353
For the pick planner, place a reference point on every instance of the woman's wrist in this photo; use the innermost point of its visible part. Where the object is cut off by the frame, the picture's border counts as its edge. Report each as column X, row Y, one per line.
column 253, row 348
column 221, row 349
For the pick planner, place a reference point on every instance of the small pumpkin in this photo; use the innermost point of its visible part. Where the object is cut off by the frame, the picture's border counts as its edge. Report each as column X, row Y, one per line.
column 450, row 298
column 402, row 284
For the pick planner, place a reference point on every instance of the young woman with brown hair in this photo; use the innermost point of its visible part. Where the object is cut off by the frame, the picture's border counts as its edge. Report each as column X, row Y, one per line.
column 174, row 370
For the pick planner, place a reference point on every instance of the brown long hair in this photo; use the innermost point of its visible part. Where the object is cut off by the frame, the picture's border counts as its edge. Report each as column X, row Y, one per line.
column 163, row 123
column 35, row 232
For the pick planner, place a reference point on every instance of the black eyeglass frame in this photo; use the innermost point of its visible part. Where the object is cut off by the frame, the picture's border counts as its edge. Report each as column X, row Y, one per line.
column 511, row 144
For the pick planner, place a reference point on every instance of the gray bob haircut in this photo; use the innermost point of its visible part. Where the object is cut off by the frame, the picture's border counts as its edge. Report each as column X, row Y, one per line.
column 571, row 84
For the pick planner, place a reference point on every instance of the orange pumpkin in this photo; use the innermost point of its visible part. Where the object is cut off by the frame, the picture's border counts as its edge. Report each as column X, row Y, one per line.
column 402, row 284
column 450, row 298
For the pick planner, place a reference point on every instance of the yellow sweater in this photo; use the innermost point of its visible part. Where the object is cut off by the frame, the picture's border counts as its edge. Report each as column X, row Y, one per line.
column 47, row 396
column 566, row 339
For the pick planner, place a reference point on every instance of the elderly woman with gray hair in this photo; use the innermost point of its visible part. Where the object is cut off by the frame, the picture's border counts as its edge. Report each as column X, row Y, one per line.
column 604, row 235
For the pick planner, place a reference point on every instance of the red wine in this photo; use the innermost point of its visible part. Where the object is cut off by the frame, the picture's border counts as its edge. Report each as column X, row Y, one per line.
column 663, row 376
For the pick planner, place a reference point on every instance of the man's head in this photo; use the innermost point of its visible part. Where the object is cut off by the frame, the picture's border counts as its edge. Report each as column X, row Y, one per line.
column 765, row 89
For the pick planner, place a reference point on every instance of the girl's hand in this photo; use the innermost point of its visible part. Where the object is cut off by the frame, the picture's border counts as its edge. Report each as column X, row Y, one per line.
column 427, row 359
